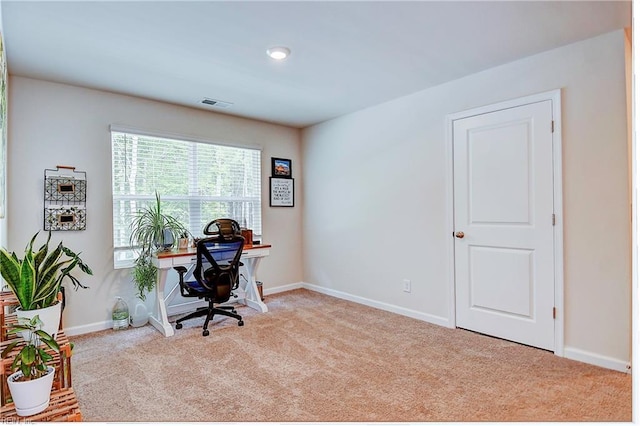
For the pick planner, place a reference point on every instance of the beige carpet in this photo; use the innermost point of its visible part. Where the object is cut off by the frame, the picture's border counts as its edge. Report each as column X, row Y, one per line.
column 317, row 358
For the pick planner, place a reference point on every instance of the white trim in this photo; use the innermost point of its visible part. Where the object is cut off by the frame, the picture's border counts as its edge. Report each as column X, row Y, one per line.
column 449, row 215
column 119, row 128
column 597, row 359
column 558, row 230
column 88, row 328
column 433, row 319
column 282, row 288
column 558, row 246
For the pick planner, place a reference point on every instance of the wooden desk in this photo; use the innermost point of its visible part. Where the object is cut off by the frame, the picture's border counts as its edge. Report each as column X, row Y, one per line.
column 164, row 261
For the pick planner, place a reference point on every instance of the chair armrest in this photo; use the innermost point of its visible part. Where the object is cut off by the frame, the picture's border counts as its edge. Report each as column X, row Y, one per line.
column 180, row 269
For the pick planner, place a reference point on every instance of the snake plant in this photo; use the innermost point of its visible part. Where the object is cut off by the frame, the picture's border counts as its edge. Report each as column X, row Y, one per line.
column 36, row 279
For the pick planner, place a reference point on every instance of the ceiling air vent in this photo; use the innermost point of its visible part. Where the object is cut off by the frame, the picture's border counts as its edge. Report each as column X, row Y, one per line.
column 216, row 103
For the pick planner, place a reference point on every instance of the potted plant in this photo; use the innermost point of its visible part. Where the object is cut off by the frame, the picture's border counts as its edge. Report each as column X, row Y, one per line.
column 151, row 231
column 32, row 379
column 37, row 277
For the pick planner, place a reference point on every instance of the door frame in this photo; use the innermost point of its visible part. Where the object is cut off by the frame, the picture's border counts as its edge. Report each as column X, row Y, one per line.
column 558, row 246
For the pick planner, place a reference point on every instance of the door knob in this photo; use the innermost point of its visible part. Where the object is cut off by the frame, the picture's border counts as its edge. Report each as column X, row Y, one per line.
column 459, row 234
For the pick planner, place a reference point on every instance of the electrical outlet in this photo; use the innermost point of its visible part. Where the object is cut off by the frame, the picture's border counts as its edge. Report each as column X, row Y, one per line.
column 406, row 286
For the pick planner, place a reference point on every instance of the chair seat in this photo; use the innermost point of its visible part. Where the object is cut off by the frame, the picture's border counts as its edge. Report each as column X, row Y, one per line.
column 195, row 287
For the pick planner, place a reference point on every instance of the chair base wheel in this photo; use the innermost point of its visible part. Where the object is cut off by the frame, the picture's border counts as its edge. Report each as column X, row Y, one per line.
column 205, row 333
column 178, row 326
column 240, row 323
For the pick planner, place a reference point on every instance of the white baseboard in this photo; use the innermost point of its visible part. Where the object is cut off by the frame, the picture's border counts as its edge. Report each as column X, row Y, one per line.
column 282, row 288
column 88, row 328
column 597, row 359
column 433, row 319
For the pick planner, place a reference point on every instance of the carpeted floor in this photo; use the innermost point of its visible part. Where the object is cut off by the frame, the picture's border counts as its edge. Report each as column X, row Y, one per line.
column 316, row 358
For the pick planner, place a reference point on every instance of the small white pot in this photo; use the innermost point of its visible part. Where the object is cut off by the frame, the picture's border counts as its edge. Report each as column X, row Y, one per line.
column 50, row 316
column 31, row 397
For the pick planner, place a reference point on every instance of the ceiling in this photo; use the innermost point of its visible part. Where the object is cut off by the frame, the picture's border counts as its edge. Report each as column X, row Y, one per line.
column 345, row 56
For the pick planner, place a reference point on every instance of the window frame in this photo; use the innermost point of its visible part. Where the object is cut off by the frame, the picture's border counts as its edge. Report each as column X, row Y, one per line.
column 124, row 256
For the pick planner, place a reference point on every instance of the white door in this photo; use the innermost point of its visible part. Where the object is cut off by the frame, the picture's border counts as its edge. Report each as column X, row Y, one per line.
column 503, row 207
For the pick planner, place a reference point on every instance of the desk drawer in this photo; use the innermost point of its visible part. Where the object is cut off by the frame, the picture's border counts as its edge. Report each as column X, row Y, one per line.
column 246, row 254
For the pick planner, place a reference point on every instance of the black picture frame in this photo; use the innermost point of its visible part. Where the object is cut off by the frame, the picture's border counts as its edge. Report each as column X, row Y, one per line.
column 280, row 168
column 281, row 192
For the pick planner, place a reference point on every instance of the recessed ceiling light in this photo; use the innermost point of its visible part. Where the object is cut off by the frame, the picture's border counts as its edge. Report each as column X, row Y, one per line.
column 278, row 53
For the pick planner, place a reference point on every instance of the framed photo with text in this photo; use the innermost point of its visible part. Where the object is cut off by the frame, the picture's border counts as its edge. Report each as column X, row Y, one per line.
column 280, row 168
column 281, row 192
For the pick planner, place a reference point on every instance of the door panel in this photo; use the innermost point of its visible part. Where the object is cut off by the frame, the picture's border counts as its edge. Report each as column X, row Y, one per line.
column 503, row 271
column 499, row 158
column 503, row 203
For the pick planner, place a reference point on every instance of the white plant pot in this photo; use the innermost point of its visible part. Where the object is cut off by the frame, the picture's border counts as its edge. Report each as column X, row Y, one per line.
column 50, row 316
column 31, row 397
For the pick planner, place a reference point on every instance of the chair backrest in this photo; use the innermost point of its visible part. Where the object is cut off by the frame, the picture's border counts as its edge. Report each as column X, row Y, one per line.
column 225, row 228
column 218, row 264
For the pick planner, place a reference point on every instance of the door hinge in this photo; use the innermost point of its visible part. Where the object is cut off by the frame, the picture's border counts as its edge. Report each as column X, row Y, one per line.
column 553, row 126
column 554, row 312
column 553, row 219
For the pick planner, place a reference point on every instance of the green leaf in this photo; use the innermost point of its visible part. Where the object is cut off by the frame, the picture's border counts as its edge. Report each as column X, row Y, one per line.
column 8, row 349
column 46, row 357
column 18, row 329
column 27, row 286
column 15, row 363
column 42, row 252
column 36, row 322
column 10, row 268
column 48, row 340
column 28, row 354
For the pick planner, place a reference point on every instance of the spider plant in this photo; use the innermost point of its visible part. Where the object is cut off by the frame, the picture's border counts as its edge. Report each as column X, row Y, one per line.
column 151, row 230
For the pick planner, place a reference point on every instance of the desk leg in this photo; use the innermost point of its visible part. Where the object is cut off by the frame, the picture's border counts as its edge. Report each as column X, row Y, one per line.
column 252, row 297
column 159, row 316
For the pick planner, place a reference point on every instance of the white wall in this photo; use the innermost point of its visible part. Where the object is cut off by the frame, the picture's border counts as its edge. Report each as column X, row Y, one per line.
column 54, row 124
column 374, row 210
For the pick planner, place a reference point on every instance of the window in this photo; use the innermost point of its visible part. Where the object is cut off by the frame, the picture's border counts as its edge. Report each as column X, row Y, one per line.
column 197, row 182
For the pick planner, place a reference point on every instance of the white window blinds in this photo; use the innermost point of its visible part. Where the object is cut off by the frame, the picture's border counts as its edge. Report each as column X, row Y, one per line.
column 197, row 182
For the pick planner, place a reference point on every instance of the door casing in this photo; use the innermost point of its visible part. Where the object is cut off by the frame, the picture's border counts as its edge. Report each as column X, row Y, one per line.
column 558, row 247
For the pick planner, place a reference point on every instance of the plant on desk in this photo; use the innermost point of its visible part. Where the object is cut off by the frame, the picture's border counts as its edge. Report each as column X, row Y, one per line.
column 32, row 379
column 36, row 280
column 151, row 231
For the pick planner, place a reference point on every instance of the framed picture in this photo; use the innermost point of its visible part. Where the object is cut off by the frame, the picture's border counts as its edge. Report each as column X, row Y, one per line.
column 280, row 168
column 281, row 192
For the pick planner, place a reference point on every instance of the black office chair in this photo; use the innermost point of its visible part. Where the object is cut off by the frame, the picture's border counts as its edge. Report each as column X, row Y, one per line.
column 216, row 276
